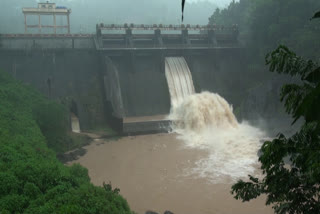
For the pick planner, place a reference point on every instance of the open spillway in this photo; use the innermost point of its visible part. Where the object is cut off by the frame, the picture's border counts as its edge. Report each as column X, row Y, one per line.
column 206, row 121
column 207, row 151
column 179, row 79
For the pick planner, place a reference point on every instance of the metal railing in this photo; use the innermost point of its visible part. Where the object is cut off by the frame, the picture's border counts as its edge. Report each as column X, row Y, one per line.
column 164, row 27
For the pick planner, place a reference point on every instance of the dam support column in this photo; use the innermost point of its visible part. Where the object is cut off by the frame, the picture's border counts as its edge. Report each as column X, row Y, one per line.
column 55, row 24
column 39, row 23
column 235, row 32
column 98, row 39
column 185, row 37
column 212, row 38
column 25, row 24
column 158, row 37
column 68, row 19
column 129, row 41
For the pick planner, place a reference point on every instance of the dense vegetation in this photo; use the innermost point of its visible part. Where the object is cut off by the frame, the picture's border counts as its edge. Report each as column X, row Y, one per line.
column 32, row 180
column 291, row 165
column 264, row 24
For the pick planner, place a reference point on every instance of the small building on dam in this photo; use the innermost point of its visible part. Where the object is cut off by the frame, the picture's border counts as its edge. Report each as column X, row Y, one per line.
column 117, row 76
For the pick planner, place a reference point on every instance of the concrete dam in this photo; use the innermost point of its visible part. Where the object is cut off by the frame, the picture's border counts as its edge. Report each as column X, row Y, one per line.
column 117, row 76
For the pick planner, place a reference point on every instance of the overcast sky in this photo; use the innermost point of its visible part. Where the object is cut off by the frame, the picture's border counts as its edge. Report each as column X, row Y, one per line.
column 87, row 13
column 220, row 3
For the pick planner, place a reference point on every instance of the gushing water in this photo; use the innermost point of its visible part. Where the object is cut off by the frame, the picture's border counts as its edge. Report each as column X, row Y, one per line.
column 206, row 121
column 179, row 79
column 200, row 111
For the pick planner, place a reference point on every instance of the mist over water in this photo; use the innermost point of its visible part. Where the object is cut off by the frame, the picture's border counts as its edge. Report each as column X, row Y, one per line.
column 206, row 121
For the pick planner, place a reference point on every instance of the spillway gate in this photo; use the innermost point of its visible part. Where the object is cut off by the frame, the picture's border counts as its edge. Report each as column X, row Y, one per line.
column 120, row 69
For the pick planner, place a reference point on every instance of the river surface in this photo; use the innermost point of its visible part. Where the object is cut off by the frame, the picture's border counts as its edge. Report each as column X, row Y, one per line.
column 156, row 172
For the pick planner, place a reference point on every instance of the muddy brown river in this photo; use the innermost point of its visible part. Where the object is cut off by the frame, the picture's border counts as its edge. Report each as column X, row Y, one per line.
column 153, row 173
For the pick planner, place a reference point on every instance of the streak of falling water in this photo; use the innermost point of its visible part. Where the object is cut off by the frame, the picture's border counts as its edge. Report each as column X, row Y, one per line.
column 179, row 79
column 75, row 125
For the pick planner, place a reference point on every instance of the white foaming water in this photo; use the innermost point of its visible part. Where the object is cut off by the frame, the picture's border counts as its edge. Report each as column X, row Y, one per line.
column 206, row 121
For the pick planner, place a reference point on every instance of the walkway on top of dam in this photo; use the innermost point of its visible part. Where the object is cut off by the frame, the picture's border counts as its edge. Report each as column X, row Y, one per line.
column 114, row 38
column 163, row 37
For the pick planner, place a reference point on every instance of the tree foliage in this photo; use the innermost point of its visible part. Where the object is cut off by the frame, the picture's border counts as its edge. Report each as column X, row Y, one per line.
column 300, row 100
column 316, row 15
column 290, row 165
column 264, row 24
column 32, row 180
column 291, row 186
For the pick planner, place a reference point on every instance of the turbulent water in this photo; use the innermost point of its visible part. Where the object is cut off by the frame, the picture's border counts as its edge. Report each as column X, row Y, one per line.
column 206, row 121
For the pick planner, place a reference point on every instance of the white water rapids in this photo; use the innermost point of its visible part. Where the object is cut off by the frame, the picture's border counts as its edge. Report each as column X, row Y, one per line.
column 206, row 121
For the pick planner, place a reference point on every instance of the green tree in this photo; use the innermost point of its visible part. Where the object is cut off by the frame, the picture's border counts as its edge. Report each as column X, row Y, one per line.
column 32, row 180
column 264, row 24
column 291, row 166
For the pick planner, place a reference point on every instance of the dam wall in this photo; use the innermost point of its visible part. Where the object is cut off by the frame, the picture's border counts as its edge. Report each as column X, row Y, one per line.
column 143, row 86
column 69, row 75
column 101, row 86
column 221, row 71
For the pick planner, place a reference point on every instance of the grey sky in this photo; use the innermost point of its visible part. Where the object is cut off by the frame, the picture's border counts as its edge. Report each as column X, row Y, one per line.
column 87, row 13
column 220, row 3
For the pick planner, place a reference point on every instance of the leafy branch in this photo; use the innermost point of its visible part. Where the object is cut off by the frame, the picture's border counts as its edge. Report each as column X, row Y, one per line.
column 300, row 100
column 316, row 15
column 291, row 186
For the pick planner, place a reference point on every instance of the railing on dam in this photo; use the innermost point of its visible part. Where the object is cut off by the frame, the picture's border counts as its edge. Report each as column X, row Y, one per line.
column 164, row 27
column 148, row 37
column 115, row 38
column 42, row 42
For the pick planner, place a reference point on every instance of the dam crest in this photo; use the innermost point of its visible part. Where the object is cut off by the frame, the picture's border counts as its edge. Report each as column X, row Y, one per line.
column 118, row 75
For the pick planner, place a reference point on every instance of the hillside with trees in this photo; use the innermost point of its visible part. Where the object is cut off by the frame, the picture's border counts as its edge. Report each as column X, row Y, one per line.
column 264, row 24
column 32, row 180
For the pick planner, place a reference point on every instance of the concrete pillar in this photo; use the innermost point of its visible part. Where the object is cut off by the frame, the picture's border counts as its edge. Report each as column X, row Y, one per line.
column 99, row 36
column 235, row 32
column 129, row 41
column 158, row 37
column 128, row 32
column 68, row 17
column 98, row 31
column 25, row 24
column 212, row 37
column 54, row 23
column 39, row 23
column 157, row 32
column 185, row 37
